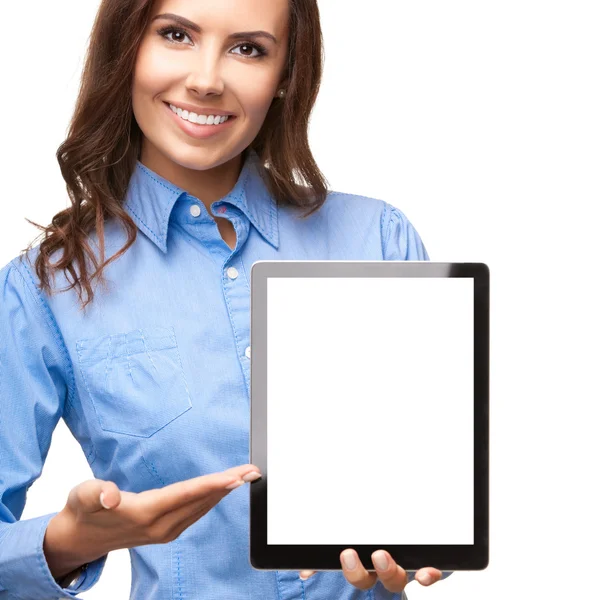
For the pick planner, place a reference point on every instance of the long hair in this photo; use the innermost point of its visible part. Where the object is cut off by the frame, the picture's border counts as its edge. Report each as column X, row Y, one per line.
column 103, row 142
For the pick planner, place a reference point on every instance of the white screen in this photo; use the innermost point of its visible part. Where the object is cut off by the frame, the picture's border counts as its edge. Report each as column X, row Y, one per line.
column 370, row 410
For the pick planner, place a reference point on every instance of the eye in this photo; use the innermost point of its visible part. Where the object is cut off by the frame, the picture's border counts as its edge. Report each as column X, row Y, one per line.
column 253, row 46
column 165, row 31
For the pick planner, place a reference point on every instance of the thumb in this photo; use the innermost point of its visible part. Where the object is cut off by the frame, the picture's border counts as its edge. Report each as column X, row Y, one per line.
column 95, row 495
column 306, row 574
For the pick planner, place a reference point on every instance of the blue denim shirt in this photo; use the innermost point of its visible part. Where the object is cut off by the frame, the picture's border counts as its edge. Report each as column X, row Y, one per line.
column 153, row 378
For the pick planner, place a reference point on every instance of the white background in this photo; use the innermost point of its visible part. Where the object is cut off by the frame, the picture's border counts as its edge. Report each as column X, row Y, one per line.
column 481, row 121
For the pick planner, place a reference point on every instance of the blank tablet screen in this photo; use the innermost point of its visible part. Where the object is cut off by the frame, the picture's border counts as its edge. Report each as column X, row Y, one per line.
column 370, row 402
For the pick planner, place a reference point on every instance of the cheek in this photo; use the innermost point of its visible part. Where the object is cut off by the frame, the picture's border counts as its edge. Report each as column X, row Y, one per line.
column 256, row 93
column 153, row 73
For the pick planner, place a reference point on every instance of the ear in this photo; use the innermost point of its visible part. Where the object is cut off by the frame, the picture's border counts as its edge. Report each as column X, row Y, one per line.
column 284, row 83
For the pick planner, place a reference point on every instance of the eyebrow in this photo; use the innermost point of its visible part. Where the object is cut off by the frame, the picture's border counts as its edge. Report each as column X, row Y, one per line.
column 234, row 36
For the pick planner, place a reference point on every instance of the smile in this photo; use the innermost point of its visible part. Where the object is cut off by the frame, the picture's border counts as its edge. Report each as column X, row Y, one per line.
column 199, row 119
column 204, row 126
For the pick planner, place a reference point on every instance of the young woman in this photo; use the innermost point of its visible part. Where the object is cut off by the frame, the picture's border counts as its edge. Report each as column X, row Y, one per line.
column 187, row 160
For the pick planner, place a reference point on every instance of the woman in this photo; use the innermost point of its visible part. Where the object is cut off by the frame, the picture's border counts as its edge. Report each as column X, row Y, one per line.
column 151, row 372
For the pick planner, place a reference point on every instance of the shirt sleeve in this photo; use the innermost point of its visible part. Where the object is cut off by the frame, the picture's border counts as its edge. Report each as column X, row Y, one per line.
column 402, row 242
column 35, row 381
column 400, row 239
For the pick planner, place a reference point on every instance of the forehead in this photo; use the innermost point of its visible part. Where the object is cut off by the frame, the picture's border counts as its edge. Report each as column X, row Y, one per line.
column 230, row 15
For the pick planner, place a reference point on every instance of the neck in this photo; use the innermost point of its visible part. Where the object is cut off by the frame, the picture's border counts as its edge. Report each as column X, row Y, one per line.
column 207, row 185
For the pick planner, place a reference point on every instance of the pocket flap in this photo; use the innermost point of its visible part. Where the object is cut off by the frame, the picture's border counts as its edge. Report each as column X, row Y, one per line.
column 128, row 343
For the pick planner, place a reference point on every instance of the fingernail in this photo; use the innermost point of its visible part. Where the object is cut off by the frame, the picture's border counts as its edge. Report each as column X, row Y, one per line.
column 349, row 560
column 380, row 560
column 234, row 485
column 425, row 578
column 252, row 476
column 102, row 501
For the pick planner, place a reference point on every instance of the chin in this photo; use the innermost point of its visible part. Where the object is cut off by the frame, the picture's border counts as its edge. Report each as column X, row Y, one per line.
column 198, row 158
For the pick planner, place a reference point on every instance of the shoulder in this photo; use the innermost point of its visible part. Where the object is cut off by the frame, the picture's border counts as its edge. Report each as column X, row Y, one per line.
column 341, row 205
column 370, row 224
column 356, row 205
column 343, row 208
column 19, row 283
column 353, row 203
column 398, row 237
column 26, row 261
column 22, row 309
column 18, row 270
column 23, row 266
column 372, row 212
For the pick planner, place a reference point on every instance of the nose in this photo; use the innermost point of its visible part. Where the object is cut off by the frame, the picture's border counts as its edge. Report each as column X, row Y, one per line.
column 205, row 75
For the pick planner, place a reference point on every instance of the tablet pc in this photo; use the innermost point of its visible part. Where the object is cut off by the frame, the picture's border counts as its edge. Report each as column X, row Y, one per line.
column 369, row 413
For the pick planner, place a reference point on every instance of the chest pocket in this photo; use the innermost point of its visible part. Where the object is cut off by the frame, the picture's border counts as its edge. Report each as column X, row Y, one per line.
column 135, row 380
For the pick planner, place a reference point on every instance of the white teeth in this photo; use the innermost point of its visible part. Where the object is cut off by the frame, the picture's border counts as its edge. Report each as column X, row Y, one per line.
column 201, row 119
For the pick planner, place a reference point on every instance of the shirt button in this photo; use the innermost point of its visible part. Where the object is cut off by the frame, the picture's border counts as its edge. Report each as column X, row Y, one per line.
column 232, row 273
column 248, row 352
column 195, row 210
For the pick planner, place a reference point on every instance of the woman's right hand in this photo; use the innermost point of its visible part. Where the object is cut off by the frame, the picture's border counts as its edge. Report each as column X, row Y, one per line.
column 98, row 517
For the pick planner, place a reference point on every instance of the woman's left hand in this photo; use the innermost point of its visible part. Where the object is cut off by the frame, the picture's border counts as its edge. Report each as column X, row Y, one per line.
column 392, row 575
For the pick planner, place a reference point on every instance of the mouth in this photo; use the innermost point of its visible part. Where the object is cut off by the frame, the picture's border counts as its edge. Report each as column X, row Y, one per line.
column 212, row 120
column 203, row 130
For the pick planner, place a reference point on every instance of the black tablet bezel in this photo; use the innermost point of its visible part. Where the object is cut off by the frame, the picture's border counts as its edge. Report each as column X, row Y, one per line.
column 326, row 557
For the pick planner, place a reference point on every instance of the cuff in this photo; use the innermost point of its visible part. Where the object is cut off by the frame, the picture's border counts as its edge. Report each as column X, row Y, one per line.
column 89, row 577
column 25, row 572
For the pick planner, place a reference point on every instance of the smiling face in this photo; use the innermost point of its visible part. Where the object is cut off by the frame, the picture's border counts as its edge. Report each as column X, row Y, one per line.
column 200, row 59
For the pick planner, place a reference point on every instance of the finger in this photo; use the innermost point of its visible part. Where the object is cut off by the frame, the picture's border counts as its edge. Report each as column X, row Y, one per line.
column 428, row 575
column 87, row 496
column 174, row 496
column 110, row 496
column 392, row 575
column 306, row 574
column 354, row 571
column 170, row 525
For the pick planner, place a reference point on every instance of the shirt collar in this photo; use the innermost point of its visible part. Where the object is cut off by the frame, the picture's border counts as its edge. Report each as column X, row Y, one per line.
column 150, row 199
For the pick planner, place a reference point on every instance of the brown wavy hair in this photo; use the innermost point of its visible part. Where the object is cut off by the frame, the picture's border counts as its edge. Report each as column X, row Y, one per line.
column 103, row 141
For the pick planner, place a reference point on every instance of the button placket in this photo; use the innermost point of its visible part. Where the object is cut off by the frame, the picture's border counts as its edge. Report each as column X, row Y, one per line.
column 238, row 303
